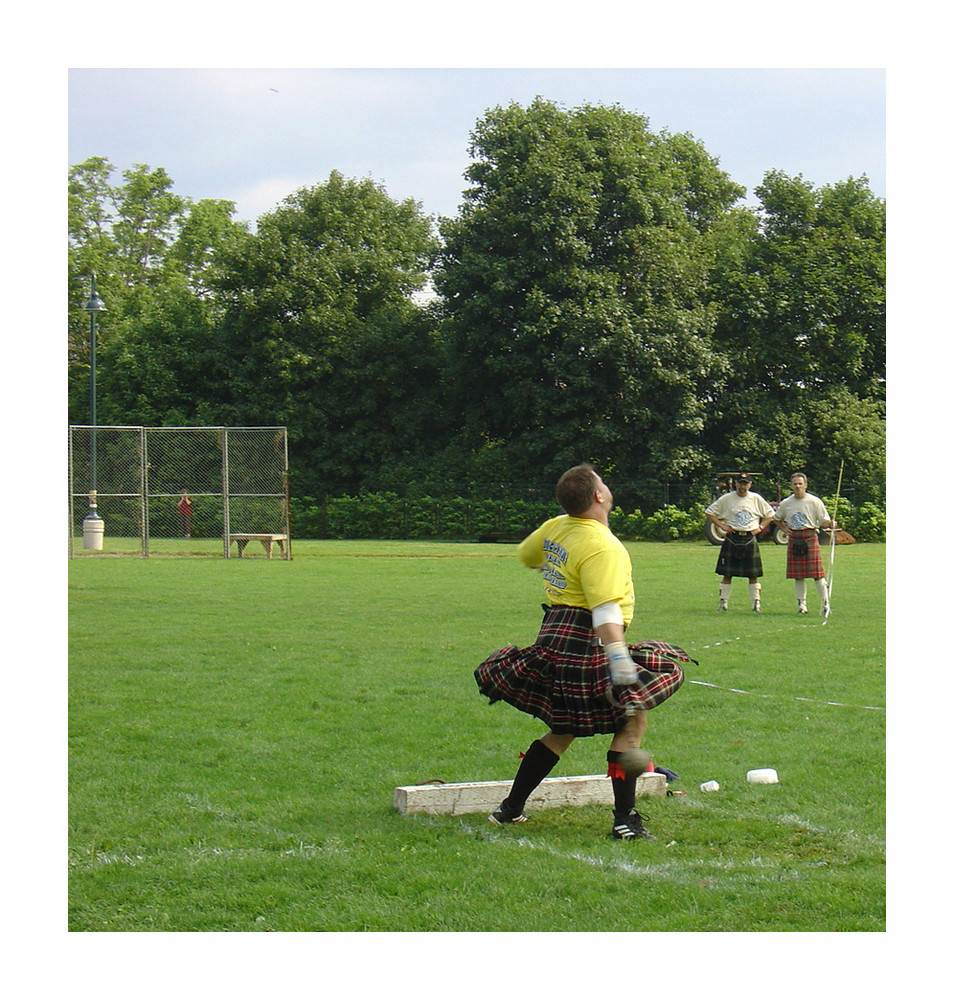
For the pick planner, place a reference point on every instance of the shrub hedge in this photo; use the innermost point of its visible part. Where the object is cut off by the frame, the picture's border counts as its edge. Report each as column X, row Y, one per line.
column 389, row 516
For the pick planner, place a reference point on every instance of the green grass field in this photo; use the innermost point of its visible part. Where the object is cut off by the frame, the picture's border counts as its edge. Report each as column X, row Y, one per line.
column 237, row 728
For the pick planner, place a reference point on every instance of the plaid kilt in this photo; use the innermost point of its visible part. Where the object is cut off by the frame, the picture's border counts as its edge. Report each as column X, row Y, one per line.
column 563, row 678
column 808, row 566
column 739, row 556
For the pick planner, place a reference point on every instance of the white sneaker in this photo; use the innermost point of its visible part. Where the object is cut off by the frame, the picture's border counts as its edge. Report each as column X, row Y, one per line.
column 757, row 607
column 723, row 604
column 802, row 608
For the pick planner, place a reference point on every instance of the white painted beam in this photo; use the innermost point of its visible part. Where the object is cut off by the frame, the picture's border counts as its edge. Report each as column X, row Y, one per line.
column 484, row 796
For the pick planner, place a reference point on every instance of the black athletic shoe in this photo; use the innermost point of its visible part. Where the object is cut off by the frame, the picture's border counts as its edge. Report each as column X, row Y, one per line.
column 503, row 815
column 631, row 828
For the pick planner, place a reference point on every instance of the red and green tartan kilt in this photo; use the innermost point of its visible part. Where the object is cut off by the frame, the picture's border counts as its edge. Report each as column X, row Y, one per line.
column 808, row 566
column 563, row 678
column 739, row 556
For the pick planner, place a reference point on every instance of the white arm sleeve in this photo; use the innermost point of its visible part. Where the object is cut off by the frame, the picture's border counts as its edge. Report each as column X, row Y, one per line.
column 609, row 613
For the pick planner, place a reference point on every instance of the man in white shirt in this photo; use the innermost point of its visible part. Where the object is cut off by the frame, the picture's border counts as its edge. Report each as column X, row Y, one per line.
column 742, row 515
column 802, row 514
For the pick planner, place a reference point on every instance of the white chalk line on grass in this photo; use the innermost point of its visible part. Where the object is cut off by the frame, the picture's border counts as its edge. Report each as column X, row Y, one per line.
column 813, row 701
column 87, row 861
column 665, row 870
column 757, row 694
column 761, row 635
column 790, row 819
column 681, row 872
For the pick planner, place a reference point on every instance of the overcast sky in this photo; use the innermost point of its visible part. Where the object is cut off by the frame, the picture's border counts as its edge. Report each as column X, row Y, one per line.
column 254, row 136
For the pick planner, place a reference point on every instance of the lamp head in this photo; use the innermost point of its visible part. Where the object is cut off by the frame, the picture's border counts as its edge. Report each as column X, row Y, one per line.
column 94, row 303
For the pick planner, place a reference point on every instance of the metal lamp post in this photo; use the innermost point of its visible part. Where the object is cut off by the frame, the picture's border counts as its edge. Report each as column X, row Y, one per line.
column 93, row 523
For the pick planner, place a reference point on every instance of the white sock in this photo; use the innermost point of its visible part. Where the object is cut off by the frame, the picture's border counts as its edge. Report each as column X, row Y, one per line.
column 800, row 591
column 822, row 587
column 725, row 589
column 755, row 591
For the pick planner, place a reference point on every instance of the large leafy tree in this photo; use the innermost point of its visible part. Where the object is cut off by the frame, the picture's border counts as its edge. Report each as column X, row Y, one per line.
column 153, row 254
column 321, row 332
column 121, row 232
column 575, row 286
column 156, row 366
column 802, row 318
column 805, row 307
column 601, row 297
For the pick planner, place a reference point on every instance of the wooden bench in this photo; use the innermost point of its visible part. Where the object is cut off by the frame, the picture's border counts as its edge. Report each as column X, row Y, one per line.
column 242, row 538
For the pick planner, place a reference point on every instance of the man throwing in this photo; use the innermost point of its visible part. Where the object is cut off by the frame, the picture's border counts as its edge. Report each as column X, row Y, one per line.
column 580, row 677
column 742, row 515
column 802, row 514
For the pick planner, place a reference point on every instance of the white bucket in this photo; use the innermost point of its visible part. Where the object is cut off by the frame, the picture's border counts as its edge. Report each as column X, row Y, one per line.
column 93, row 533
column 762, row 776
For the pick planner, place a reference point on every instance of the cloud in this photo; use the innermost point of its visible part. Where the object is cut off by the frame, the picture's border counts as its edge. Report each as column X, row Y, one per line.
column 254, row 136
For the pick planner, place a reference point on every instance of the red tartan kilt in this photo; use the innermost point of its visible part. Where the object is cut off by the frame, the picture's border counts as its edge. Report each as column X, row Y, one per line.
column 563, row 678
column 808, row 566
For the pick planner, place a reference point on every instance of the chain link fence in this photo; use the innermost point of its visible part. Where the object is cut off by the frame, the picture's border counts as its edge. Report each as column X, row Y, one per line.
column 180, row 490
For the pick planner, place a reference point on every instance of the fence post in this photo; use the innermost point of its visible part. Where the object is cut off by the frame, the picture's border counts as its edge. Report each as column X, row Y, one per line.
column 143, row 492
column 71, row 511
column 226, row 528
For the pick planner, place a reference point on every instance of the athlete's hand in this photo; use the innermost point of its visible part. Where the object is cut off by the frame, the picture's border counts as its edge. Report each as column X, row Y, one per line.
column 621, row 667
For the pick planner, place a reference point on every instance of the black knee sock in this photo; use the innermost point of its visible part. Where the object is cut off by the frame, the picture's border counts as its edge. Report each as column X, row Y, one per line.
column 624, row 789
column 537, row 763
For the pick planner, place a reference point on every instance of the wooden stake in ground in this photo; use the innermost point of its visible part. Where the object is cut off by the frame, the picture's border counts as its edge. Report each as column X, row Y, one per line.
column 831, row 547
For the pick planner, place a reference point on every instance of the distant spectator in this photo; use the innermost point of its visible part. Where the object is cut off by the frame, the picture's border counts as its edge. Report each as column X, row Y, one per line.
column 185, row 514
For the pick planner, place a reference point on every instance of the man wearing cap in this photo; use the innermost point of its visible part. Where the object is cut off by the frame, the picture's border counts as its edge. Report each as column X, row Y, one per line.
column 742, row 515
column 802, row 514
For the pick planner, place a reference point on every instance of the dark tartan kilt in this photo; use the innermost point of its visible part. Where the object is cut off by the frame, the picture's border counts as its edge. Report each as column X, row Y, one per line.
column 808, row 566
column 563, row 678
column 739, row 556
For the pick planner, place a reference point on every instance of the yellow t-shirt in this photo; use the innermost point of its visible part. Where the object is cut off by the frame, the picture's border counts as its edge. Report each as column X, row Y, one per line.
column 584, row 563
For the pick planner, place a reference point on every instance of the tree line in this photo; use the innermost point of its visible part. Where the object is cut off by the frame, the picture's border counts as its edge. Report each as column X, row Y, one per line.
column 602, row 294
